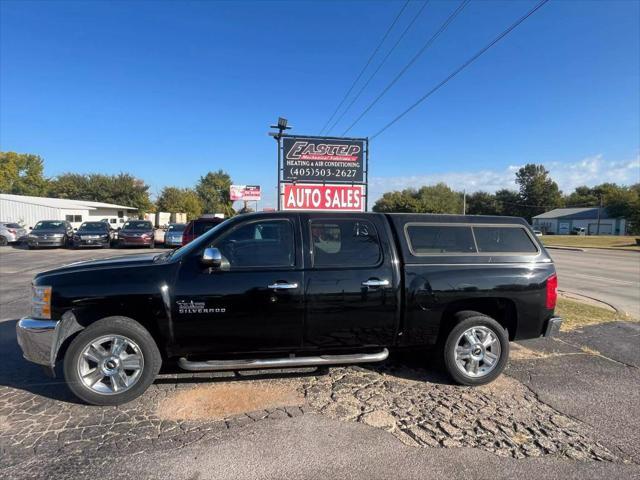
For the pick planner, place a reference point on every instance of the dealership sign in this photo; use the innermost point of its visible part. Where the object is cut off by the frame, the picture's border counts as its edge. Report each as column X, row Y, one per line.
column 327, row 197
column 322, row 159
column 244, row 192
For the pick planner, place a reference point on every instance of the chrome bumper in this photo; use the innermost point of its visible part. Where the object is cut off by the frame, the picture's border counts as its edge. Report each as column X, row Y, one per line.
column 41, row 339
column 553, row 327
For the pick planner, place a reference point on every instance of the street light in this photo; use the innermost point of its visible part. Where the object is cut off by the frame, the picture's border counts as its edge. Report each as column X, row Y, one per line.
column 281, row 126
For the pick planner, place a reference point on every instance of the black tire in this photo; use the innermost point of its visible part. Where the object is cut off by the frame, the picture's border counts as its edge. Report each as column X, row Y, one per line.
column 3, row 241
column 465, row 321
column 121, row 326
column 106, row 245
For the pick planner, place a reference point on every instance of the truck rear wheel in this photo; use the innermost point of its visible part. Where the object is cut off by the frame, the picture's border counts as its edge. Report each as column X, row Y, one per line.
column 476, row 350
column 111, row 362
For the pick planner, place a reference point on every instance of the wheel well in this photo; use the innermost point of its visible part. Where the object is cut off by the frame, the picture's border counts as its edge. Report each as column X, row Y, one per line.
column 502, row 310
column 87, row 317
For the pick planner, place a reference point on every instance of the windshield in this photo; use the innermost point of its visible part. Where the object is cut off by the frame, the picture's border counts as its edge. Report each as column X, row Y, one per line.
column 93, row 227
column 49, row 225
column 196, row 245
column 176, row 227
column 12, row 225
column 137, row 226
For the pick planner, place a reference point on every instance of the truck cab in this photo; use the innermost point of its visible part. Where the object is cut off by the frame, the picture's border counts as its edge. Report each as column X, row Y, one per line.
column 287, row 289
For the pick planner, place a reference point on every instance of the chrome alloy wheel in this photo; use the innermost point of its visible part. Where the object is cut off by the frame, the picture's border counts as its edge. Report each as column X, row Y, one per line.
column 110, row 365
column 477, row 351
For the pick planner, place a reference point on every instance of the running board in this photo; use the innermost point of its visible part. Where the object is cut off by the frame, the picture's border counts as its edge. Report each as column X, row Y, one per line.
column 288, row 362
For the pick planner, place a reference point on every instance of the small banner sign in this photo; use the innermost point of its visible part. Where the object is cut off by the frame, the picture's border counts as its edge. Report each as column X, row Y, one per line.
column 322, row 159
column 244, row 192
column 329, row 198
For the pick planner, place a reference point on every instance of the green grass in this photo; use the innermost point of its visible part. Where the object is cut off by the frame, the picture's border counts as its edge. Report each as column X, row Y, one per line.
column 577, row 314
column 592, row 241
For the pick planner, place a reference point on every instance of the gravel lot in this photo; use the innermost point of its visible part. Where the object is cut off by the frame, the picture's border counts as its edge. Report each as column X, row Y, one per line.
column 524, row 415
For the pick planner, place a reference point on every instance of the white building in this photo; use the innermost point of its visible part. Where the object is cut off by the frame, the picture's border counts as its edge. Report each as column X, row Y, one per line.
column 27, row 210
column 561, row 221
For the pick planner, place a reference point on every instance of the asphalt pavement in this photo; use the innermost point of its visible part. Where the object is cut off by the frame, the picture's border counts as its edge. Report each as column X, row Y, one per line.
column 611, row 276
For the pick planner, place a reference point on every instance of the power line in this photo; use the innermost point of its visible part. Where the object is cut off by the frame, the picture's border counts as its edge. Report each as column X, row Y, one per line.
column 424, row 48
column 402, row 35
column 395, row 20
column 463, row 66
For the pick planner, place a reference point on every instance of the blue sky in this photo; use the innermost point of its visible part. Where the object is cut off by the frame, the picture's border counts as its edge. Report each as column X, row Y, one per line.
column 169, row 90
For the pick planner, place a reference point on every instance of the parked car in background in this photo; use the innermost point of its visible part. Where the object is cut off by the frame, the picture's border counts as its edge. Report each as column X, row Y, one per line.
column 11, row 233
column 197, row 227
column 173, row 236
column 578, row 231
column 92, row 234
column 50, row 233
column 136, row 233
column 537, row 233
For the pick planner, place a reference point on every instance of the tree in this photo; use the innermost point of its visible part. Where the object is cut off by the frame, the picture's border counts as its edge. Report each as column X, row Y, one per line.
column 22, row 174
column 121, row 189
column 174, row 200
column 403, row 202
column 537, row 190
column 437, row 198
column 213, row 190
column 482, row 203
column 582, row 197
column 509, row 203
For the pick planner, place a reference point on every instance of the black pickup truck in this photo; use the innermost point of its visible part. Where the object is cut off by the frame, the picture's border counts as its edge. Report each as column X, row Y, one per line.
column 296, row 289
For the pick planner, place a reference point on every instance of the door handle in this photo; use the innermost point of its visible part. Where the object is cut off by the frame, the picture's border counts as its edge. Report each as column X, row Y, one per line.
column 283, row 286
column 374, row 282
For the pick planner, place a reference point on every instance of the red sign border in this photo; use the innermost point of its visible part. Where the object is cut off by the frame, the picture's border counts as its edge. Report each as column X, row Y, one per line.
column 361, row 186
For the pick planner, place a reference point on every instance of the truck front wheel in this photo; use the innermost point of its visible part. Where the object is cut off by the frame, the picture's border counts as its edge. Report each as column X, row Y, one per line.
column 111, row 362
column 476, row 350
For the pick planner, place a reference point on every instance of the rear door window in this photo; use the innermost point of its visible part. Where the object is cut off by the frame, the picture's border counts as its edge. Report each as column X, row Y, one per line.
column 439, row 239
column 504, row 240
column 345, row 243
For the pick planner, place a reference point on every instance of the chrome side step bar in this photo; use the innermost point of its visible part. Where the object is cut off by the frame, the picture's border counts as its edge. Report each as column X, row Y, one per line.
column 288, row 362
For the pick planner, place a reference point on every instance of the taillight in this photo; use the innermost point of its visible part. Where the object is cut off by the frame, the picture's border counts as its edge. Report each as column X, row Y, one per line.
column 11, row 230
column 552, row 291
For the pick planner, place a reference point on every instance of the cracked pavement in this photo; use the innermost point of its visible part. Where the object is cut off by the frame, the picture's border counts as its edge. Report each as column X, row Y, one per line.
column 558, row 409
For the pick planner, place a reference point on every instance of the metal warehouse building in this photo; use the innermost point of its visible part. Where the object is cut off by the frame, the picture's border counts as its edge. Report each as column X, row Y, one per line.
column 562, row 221
column 27, row 210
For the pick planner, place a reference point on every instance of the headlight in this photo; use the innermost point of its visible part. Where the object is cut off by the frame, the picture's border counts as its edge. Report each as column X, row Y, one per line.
column 41, row 302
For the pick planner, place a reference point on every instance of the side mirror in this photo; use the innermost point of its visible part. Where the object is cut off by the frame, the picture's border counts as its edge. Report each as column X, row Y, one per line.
column 211, row 258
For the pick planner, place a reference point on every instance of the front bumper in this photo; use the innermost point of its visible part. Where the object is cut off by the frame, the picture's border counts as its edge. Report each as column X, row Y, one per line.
column 49, row 242
column 40, row 339
column 100, row 242
column 553, row 327
column 135, row 241
column 173, row 241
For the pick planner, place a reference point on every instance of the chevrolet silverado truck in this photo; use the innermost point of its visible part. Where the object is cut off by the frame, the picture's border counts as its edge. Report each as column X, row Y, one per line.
column 291, row 289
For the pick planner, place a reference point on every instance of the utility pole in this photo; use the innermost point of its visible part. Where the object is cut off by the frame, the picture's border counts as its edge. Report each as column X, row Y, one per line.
column 464, row 201
column 598, row 224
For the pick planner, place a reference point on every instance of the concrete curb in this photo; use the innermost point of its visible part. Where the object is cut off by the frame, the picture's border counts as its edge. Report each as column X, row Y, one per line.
column 578, row 297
